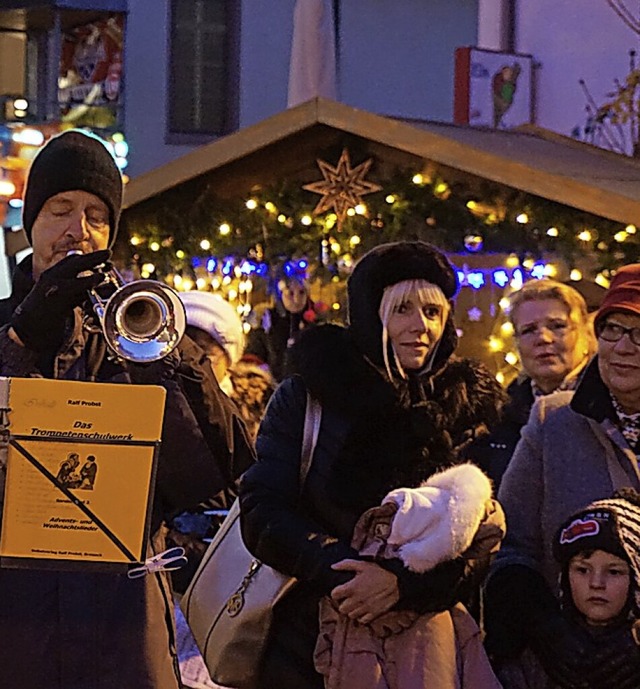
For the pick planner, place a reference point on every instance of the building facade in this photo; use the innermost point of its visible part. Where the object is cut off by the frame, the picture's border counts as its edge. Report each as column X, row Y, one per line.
column 174, row 74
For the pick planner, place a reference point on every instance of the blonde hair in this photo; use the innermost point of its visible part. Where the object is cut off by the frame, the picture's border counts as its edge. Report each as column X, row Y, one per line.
column 538, row 290
column 396, row 294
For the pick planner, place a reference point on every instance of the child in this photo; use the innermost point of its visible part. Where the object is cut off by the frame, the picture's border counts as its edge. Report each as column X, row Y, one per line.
column 449, row 516
column 598, row 550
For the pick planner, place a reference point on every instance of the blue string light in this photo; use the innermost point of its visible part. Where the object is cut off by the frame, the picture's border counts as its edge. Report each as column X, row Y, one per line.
column 501, row 278
column 478, row 278
column 538, row 271
column 475, row 279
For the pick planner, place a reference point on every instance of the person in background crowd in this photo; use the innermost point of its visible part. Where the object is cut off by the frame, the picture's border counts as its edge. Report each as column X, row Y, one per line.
column 215, row 326
column 293, row 312
column 81, row 629
column 396, row 409
column 576, row 448
column 598, row 551
column 554, row 337
column 252, row 388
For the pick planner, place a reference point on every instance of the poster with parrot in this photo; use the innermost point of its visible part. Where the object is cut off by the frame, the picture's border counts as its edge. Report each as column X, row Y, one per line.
column 492, row 88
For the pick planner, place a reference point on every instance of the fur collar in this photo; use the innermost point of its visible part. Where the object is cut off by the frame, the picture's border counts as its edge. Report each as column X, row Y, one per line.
column 592, row 397
column 399, row 432
column 337, row 374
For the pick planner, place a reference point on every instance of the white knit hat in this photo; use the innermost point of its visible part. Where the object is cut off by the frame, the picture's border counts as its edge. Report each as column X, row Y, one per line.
column 214, row 315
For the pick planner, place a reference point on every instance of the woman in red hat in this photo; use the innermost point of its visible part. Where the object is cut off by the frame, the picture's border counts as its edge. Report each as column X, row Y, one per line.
column 576, row 448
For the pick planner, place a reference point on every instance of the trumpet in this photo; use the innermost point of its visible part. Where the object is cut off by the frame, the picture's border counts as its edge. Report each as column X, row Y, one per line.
column 142, row 321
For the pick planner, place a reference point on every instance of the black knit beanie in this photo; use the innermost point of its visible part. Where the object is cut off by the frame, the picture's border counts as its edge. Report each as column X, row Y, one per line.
column 73, row 161
column 386, row 265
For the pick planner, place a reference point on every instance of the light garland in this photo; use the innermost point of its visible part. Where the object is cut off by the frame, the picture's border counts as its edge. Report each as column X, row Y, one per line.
column 195, row 240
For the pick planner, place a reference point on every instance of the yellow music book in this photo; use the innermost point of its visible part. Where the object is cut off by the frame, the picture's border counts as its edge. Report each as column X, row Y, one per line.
column 78, row 461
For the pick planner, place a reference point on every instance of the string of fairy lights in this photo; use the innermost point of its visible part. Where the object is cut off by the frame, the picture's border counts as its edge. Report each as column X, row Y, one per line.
column 194, row 240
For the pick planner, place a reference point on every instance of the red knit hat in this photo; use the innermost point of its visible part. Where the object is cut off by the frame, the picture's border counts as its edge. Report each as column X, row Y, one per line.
column 623, row 293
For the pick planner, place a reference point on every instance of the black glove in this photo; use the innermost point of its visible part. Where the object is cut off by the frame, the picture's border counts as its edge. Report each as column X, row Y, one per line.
column 41, row 319
column 433, row 591
column 154, row 372
column 510, row 597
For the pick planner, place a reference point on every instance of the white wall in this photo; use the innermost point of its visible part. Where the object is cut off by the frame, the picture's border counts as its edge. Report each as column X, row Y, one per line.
column 572, row 40
column 396, row 58
column 146, row 65
column 267, row 30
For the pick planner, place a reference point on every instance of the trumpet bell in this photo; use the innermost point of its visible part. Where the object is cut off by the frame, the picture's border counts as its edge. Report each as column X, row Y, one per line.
column 143, row 321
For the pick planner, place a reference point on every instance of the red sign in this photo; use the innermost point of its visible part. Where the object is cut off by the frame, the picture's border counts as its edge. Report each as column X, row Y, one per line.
column 91, row 73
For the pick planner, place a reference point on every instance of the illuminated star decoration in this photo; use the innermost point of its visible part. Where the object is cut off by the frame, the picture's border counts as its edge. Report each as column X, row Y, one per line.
column 343, row 186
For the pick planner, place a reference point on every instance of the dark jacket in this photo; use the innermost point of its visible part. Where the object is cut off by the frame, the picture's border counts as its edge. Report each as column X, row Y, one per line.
column 271, row 342
column 374, row 436
column 493, row 452
column 70, row 630
column 571, row 454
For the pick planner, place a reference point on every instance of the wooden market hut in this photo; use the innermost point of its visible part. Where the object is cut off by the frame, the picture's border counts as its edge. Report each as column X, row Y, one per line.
column 529, row 159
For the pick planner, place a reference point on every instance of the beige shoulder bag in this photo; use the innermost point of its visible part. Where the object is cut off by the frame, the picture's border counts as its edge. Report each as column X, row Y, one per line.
column 229, row 602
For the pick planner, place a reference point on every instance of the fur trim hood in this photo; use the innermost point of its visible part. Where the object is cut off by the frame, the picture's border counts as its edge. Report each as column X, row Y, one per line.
column 336, row 373
column 438, row 521
column 400, row 431
column 387, row 265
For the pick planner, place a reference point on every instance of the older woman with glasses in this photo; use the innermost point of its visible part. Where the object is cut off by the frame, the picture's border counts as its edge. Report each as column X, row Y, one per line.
column 576, row 448
column 555, row 341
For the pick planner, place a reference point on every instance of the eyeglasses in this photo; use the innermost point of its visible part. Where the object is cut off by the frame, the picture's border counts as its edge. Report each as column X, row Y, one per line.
column 558, row 329
column 614, row 332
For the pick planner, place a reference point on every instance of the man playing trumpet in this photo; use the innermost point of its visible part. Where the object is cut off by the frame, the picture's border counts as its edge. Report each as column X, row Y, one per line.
column 85, row 630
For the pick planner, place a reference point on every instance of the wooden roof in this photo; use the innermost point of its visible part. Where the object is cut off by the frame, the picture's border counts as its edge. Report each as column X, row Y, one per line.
column 286, row 145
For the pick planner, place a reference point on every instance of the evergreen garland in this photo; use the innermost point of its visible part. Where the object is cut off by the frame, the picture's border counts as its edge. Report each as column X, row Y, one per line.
column 452, row 214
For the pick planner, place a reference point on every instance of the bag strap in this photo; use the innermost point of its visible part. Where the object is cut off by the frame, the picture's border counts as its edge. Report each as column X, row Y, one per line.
column 312, row 418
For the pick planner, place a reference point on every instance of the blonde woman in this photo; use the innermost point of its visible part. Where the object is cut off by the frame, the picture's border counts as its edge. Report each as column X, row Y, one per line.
column 396, row 409
column 555, row 341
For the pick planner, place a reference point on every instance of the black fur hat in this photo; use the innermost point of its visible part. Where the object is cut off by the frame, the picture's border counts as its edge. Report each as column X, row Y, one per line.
column 386, row 265
column 73, row 161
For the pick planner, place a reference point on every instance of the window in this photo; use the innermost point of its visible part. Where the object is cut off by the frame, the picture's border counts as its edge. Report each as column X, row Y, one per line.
column 201, row 96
